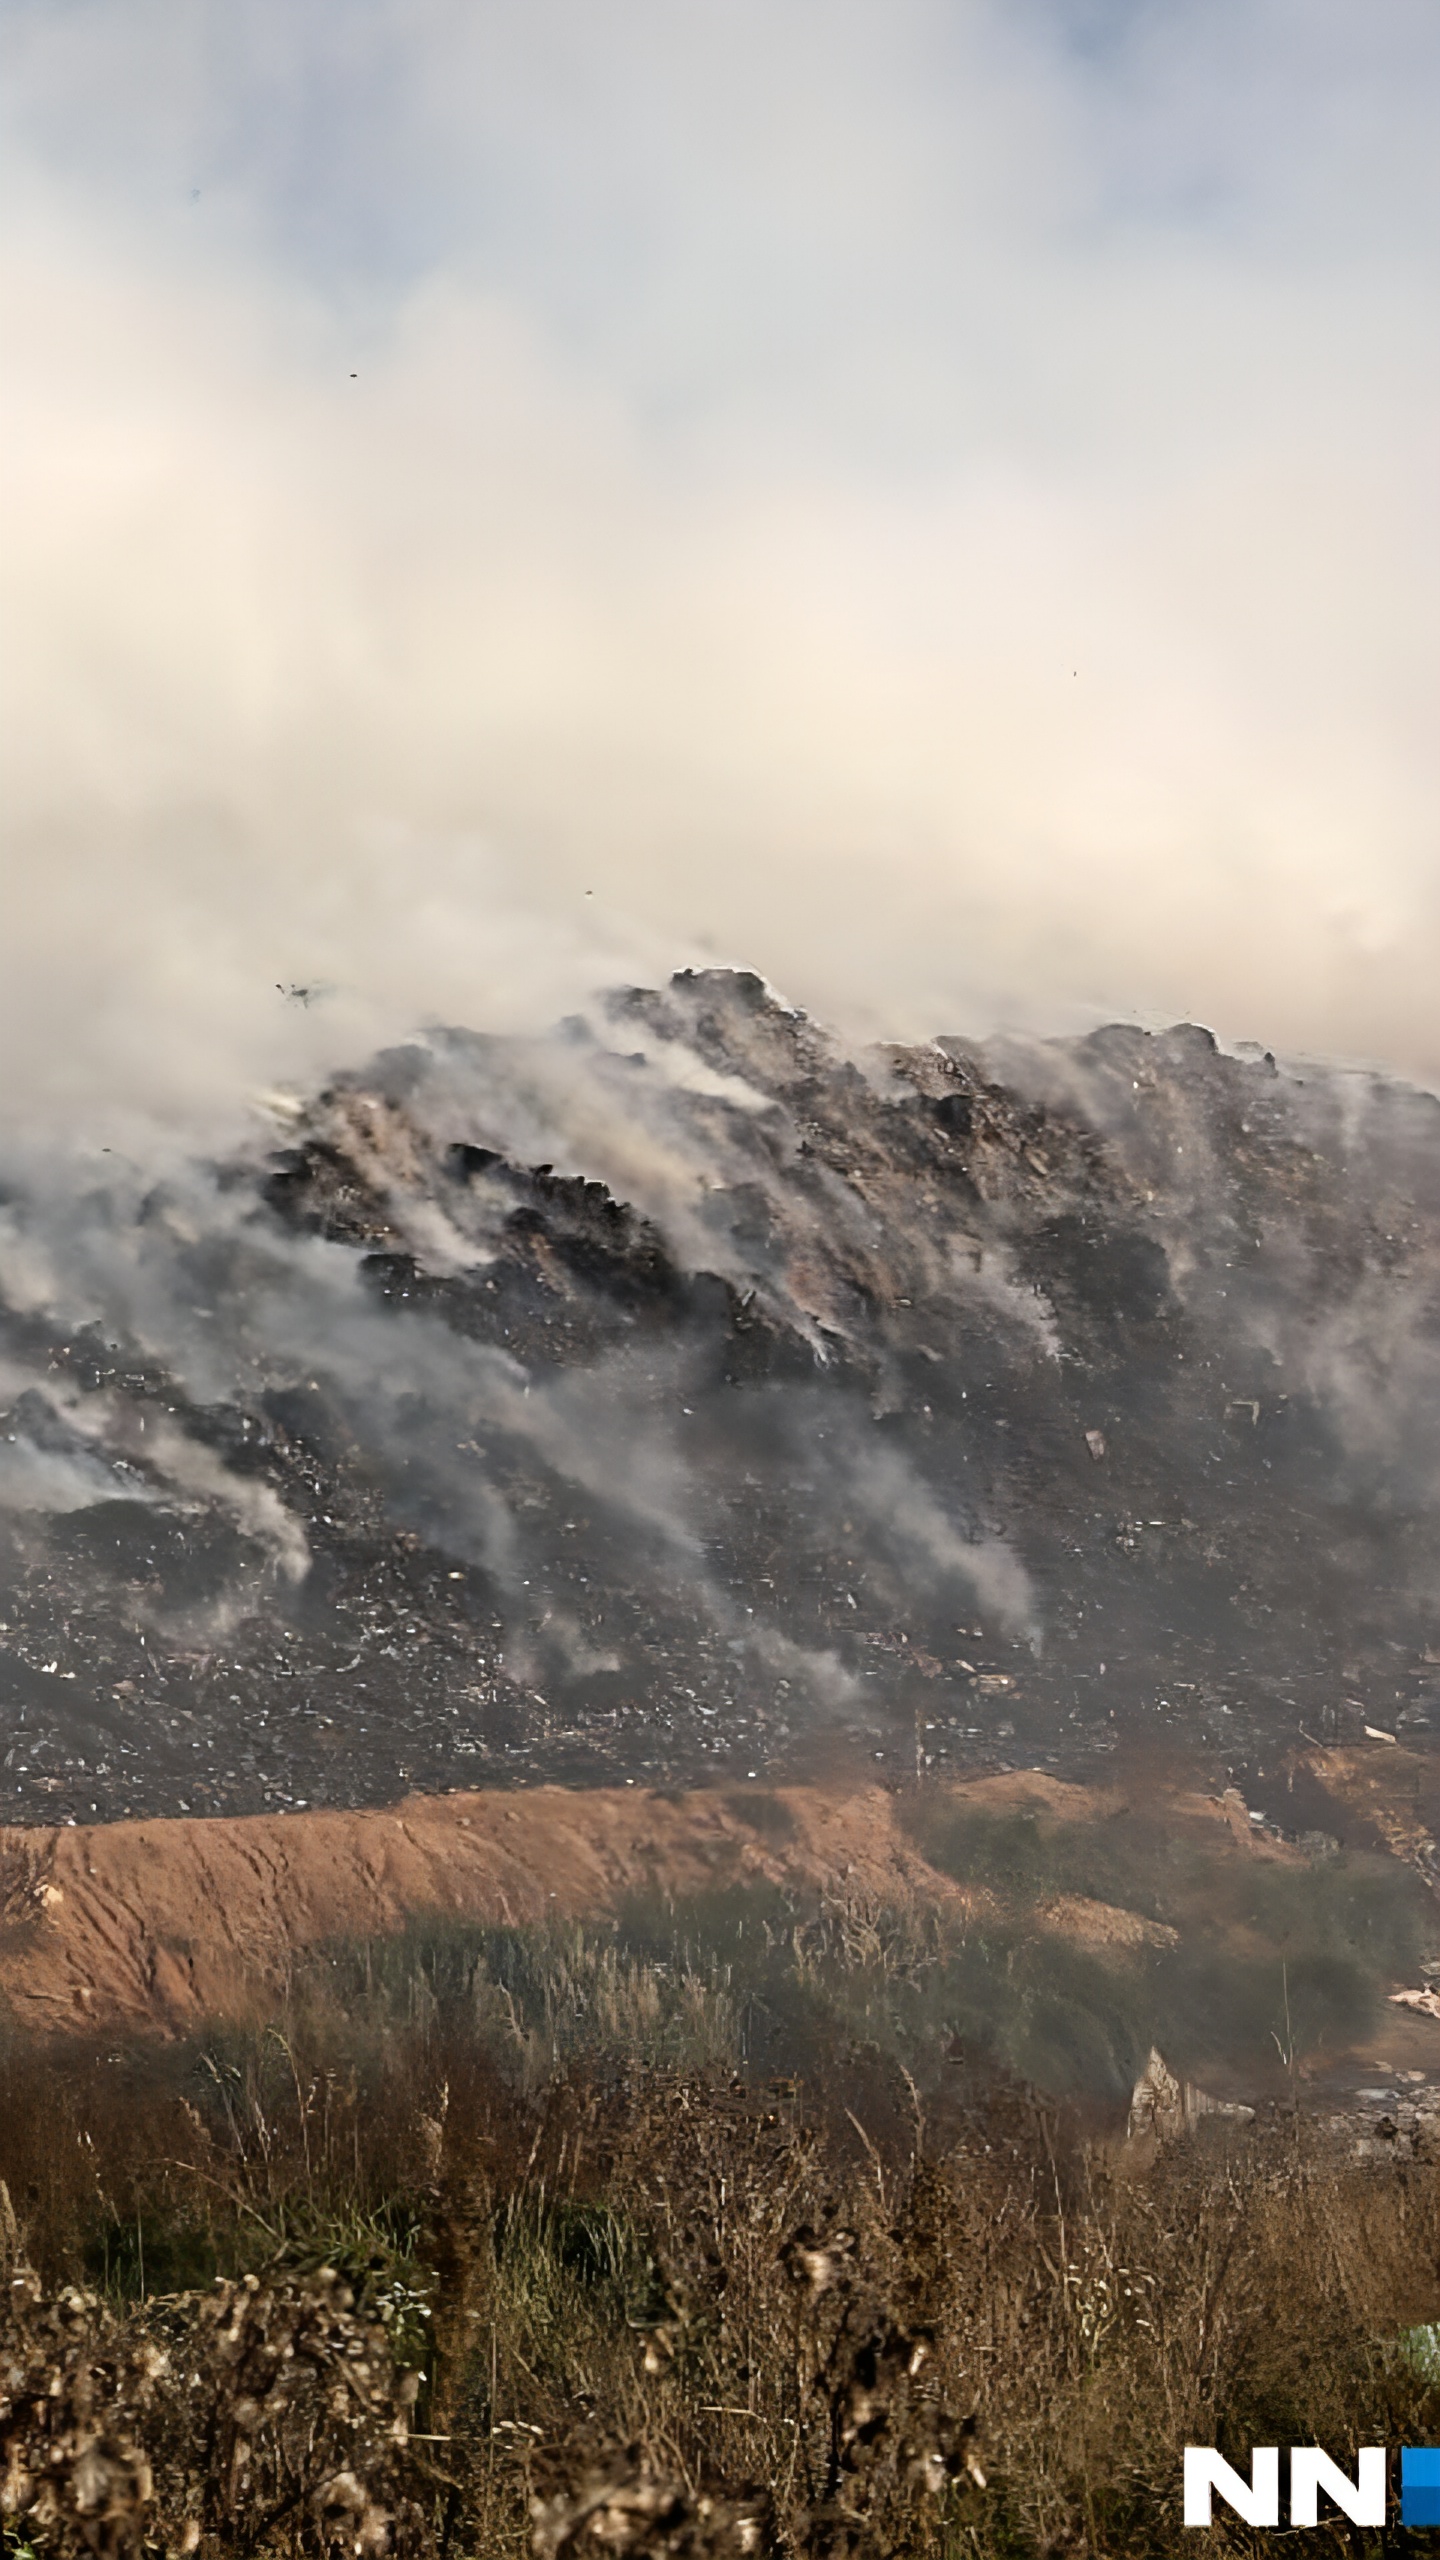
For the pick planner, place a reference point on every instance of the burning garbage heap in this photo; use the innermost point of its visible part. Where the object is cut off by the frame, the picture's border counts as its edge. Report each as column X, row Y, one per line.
column 680, row 1392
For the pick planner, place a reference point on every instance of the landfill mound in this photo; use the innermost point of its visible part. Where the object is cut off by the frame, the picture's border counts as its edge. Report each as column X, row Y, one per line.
column 682, row 1397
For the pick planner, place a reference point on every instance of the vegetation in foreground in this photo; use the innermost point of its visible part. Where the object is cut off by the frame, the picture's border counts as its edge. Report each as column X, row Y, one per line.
column 514, row 2242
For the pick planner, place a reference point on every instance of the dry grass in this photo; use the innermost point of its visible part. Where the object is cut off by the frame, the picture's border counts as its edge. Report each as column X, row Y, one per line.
column 475, row 2252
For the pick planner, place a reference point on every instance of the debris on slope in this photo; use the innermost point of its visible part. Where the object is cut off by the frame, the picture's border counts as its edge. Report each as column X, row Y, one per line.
column 678, row 1396
column 1426, row 2003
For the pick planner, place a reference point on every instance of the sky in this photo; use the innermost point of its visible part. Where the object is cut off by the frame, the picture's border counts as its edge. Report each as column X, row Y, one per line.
column 935, row 503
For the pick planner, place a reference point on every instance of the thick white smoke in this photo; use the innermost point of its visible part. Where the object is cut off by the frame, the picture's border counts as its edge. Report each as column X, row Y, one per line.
column 938, row 506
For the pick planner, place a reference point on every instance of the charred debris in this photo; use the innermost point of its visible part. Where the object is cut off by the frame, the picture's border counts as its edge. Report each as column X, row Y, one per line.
column 682, row 1395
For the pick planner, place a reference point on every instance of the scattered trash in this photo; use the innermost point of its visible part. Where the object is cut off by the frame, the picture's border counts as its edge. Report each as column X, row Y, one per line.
column 447, row 1331
column 1428, row 2002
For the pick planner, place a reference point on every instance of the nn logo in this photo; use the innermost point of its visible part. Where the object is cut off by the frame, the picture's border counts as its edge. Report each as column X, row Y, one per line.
column 1256, row 2501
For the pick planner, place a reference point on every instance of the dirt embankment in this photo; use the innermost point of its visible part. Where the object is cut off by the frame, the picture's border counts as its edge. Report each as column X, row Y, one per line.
column 166, row 1922
column 160, row 1924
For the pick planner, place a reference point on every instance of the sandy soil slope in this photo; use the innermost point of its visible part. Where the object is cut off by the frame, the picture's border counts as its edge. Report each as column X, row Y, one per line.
column 162, row 1923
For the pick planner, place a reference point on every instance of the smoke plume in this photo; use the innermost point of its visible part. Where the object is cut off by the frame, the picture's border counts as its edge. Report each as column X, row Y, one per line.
column 936, row 506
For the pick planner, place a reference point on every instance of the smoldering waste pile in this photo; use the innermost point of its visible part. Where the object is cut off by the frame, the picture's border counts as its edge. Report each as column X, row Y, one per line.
column 679, row 1393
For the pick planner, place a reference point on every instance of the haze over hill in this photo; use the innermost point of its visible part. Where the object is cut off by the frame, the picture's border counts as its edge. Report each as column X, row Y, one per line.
column 681, row 1394
column 935, row 504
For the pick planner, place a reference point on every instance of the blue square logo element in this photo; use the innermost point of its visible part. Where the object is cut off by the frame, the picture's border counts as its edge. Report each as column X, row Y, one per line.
column 1420, row 2485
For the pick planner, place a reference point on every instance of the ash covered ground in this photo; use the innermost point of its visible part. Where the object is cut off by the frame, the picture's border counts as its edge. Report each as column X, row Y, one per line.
column 680, row 1395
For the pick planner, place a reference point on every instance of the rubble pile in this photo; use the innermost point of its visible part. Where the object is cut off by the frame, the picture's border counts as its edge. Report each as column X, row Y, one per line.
column 1394, row 2119
column 680, row 1395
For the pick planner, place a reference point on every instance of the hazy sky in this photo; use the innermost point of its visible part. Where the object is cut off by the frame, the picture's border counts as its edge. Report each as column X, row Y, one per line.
column 934, row 502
